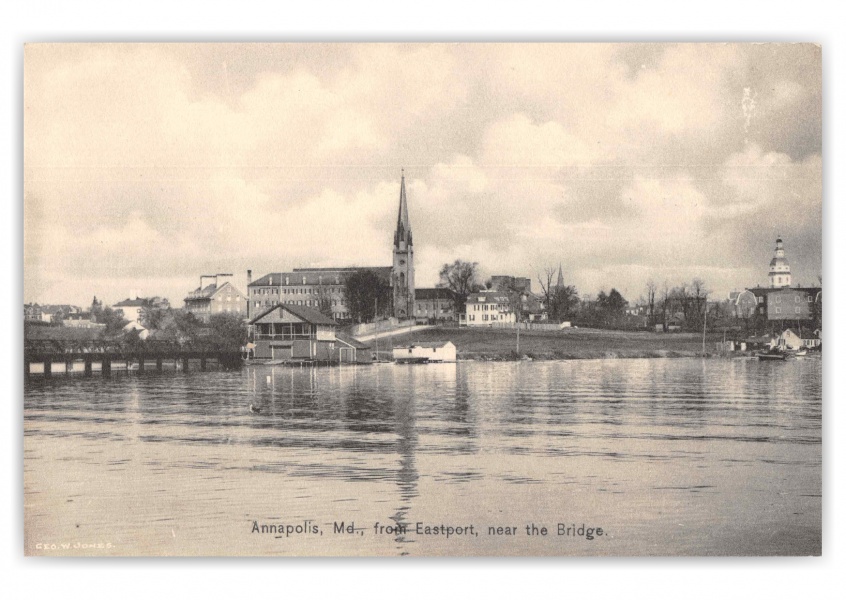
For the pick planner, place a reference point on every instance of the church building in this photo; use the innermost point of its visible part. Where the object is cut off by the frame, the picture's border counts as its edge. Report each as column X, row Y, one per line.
column 322, row 289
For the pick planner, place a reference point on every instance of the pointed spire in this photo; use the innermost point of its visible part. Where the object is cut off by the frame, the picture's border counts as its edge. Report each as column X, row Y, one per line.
column 560, row 276
column 403, row 233
column 402, row 217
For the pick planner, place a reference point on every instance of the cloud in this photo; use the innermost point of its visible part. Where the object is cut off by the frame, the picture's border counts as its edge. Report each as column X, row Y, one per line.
column 147, row 165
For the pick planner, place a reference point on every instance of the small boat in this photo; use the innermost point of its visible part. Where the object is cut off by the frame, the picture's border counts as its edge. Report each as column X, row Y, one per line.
column 773, row 354
column 801, row 352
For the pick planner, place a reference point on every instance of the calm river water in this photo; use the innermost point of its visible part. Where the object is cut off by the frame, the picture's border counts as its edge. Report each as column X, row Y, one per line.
column 666, row 456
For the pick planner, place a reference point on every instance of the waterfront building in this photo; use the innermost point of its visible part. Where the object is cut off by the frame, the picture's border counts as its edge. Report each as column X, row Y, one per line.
column 425, row 352
column 216, row 295
column 323, row 288
column 289, row 332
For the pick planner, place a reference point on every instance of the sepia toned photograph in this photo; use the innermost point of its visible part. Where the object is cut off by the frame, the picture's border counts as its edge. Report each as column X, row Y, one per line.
column 422, row 299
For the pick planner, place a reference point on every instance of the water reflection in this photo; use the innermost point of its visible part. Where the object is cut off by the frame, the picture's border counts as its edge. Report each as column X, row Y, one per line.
column 409, row 439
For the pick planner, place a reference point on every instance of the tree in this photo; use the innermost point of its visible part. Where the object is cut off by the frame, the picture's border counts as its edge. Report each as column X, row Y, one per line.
column 651, row 288
column 324, row 300
column 112, row 319
column 698, row 303
column 362, row 291
column 152, row 317
column 547, row 288
column 462, row 278
column 517, row 296
column 565, row 301
column 227, row 330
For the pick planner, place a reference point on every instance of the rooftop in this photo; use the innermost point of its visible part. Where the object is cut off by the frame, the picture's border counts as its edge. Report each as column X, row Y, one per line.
column 317, row 276
column 307, row 314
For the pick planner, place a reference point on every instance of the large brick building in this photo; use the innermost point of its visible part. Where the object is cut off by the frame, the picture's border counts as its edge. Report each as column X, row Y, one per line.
column 779, row 301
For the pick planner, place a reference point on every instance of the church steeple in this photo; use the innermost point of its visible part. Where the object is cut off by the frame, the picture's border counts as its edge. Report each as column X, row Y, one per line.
column 402, row 237
column 560, row 283
column 402, row 279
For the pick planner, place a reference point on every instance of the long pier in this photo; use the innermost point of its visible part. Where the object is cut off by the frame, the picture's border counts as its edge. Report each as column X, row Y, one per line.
column 225, row 359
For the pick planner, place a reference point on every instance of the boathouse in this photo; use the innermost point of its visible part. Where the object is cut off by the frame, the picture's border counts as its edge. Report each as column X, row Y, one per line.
column 425, row 352
column 287, row 332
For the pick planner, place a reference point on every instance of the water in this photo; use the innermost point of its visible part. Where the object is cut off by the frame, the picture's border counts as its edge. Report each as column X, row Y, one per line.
column 668, row 457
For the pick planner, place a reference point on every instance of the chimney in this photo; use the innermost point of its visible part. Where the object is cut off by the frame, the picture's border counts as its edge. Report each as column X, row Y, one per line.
column 249, row 276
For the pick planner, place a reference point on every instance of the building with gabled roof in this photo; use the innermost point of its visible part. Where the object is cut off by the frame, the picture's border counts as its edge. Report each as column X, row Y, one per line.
column 216, row 295
column 288, row 333
column 425, row 352
column 487, row 309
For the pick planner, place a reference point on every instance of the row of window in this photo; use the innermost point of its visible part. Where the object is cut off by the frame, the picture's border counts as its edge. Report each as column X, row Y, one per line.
column 285, row 291
column 314, row 303
column 336, row 279
column 796, row 310
column 485, row 307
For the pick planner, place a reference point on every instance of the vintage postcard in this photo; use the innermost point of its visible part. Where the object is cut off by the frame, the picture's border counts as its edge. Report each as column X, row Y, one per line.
column 422, row 299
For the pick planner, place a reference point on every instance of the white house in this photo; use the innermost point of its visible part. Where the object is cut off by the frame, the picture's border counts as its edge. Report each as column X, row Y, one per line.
column 423, row 352
column 131, row 309
column 487, row 309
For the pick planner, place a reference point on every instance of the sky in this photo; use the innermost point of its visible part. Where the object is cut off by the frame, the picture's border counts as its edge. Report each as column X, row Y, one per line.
column 148, row 165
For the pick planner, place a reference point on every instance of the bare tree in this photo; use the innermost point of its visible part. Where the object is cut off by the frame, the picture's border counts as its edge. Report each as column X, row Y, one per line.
column 698, row 301
column 461, row 278
column 651, row 288
column 665, row 304
column 548, row 288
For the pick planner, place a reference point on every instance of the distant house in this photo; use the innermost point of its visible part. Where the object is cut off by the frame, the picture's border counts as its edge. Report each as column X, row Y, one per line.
column 423, row 352
column 294, row 333
column 215, row 295
column 434, row 305
column 812, row 339
column 48, row 313
column 34, row 312
column 789, row 340
column 486, row 309
column 131, row 308
column 82, row 320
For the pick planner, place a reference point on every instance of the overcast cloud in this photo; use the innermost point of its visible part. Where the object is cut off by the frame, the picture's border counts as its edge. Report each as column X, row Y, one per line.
column 146, row 166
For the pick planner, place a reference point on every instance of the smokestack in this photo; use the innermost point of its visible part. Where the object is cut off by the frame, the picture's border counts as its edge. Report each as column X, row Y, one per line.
column 249, row 276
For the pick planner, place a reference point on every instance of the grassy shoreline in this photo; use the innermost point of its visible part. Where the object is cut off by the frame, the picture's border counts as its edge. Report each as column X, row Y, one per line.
column 566, row 344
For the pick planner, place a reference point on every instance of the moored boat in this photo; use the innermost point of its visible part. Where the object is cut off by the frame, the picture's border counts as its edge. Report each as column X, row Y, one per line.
column 773, row 354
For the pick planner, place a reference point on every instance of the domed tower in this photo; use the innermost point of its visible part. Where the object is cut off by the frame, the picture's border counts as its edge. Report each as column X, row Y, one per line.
column 779, row 268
